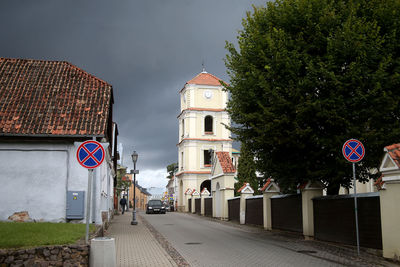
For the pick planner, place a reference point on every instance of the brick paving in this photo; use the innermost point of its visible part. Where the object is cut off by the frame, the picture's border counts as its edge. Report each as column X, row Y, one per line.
column 136, row 245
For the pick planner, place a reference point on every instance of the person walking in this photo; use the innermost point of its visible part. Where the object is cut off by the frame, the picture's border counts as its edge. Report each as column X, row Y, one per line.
column 122, row 202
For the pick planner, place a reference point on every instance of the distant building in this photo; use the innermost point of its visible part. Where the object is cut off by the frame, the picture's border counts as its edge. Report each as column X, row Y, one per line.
column 47, row 109
column 201, row 132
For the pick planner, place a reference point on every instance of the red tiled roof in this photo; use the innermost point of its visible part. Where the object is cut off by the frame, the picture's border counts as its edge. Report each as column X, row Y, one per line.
column 394, row 152
column 40, row 97
column 240, row 189
column 226, row 162
column 205, row 78
column 266, row 185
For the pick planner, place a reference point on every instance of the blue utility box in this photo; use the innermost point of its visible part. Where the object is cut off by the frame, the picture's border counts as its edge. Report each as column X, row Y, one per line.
column 75, row 205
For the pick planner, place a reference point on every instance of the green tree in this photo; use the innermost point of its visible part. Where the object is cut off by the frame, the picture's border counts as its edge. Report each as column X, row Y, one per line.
column 247, row 170
column 308, row 75
column 123, row 183
column 171, row 169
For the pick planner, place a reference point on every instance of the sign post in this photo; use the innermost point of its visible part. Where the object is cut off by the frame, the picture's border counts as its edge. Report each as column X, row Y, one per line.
column 90, row 155
column 353, row 150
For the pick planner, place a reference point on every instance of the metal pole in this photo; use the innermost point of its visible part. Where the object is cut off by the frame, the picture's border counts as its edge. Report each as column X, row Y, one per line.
column 88, row 197
column 355, row 207
column 134, row 222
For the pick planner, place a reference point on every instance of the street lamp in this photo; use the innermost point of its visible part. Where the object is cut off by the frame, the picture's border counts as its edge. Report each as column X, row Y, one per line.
column 134, row 159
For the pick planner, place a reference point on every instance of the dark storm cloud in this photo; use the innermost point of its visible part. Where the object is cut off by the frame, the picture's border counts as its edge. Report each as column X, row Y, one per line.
column 146, row 49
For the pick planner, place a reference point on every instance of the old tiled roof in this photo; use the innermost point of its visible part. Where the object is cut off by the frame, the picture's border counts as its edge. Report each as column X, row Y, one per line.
column 394, row 152
column 205, row 78
column 51, row 98
column 226, row 162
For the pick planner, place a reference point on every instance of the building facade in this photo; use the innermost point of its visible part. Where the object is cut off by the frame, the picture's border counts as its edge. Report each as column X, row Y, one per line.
column 48, row 108
column 202, row 132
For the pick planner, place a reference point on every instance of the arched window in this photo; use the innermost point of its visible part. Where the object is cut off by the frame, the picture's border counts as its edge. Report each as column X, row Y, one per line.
column 208, row 124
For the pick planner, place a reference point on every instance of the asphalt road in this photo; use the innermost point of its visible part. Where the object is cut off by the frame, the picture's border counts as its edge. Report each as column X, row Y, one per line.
column 205, row 242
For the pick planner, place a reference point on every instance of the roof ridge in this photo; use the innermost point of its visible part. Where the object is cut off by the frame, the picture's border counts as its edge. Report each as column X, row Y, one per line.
column 56, row 61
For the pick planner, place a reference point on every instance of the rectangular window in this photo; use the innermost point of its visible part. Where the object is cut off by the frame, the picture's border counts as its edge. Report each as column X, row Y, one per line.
column 207, row 158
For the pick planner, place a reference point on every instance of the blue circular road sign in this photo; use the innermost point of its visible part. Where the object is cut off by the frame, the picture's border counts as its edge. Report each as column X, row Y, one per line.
column 90, row 154
column 353, row 150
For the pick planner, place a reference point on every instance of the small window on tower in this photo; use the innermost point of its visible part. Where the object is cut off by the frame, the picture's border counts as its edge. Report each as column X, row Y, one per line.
column 208, row 125
column 207, row 158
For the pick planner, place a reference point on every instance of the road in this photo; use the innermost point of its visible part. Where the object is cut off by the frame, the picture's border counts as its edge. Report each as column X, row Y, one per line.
column 206, row 242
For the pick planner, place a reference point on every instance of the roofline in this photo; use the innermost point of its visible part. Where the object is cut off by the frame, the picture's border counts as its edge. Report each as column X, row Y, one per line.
column 59, row 61
column 51, row 135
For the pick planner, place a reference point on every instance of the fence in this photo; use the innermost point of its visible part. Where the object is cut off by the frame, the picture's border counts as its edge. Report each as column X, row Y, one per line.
column 208, row 206
column 197, row 205
column 234, row 209
column 287, row 212
column 334, row 219
column 254, row 210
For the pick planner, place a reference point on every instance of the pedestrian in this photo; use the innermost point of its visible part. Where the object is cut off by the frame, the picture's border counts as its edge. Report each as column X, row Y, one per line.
column 122, row 202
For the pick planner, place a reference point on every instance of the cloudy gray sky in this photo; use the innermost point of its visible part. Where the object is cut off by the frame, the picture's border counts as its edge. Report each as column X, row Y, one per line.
column 146, row 49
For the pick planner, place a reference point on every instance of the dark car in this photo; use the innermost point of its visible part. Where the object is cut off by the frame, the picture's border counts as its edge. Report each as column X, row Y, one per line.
column 155, row 206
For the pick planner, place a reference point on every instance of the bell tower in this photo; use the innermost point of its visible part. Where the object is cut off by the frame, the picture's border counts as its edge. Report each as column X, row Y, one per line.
column 201, row 132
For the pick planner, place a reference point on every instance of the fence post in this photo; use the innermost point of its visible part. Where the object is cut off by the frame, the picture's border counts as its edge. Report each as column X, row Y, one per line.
column 309, row 190
column 195, row 195
column 245, row 192
column 269, row 189
column 389, row 185
column 188, row 193
column 204, row 193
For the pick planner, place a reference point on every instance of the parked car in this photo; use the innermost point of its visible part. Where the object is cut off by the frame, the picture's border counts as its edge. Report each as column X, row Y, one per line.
column 155, row 206
column 167, row 207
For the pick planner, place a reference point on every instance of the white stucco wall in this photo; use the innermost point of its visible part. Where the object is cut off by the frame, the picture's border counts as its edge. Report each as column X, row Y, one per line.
column 36, row 178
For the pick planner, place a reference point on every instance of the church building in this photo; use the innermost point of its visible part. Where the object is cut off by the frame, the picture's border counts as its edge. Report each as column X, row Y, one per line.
column 202, row 132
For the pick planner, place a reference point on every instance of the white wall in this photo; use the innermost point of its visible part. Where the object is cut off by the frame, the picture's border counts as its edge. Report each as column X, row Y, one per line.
column 36, row 178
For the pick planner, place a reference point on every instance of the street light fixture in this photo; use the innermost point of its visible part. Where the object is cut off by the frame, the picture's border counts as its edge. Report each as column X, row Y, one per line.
column 134, row 159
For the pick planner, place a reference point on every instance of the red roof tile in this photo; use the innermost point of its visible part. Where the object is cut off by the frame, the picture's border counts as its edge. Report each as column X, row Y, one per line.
column 40, row 97
column 240, row 189
column 266, row 185
column 394, row 152
column 226, row 162
column 205, row 78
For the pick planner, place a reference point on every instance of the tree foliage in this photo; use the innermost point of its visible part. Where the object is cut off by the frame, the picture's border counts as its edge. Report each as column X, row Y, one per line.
column 171, row 169
column 123, row 183
column 246, row 170
column 310, row 74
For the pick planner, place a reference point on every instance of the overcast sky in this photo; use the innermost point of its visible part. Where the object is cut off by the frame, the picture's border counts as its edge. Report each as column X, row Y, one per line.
column 145, row 49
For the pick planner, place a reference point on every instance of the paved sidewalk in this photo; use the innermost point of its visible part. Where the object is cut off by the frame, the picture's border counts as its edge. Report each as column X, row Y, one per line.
column 135, row 244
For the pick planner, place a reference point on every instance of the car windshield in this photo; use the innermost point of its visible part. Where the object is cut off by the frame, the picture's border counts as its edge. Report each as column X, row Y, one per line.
column 155, row 202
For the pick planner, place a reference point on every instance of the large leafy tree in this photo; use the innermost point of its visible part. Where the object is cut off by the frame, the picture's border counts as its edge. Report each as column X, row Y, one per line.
column 308, row 75
column 247, row 170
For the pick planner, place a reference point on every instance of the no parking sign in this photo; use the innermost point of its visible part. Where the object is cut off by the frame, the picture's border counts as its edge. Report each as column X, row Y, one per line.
column 354, row 151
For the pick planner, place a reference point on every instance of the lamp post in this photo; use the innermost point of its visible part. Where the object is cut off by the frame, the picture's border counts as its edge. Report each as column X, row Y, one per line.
column 134, row 159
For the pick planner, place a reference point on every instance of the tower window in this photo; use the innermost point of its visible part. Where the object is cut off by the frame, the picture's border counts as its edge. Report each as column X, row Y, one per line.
column 207, row 158
column 208, row 124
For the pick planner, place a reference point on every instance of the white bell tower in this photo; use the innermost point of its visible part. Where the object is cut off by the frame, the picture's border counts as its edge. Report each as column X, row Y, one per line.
column 201, row 130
